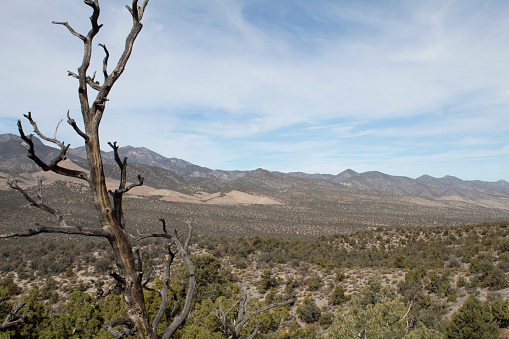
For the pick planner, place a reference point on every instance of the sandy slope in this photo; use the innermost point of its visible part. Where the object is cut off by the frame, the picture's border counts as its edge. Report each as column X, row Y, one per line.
column 230, row 198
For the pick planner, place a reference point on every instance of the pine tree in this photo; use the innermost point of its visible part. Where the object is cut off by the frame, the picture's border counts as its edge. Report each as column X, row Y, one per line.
column 472, row 321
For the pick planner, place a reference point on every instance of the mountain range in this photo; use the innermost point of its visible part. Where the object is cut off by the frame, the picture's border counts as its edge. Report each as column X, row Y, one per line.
column 13, row 160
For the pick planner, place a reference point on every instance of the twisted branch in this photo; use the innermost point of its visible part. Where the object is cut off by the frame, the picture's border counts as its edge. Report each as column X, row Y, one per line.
column 38, row 204
column 242, row 318
column 130, row 328
column 105, row 61
column 53, row 165
column 182, row 249
column 122, row 188
column 62, row 229
column 90, row 81
column 73, row 32
column 13, row 318
column 72, row 122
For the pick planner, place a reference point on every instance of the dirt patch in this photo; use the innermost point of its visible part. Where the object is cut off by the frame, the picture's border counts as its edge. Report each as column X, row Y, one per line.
column 230, row 198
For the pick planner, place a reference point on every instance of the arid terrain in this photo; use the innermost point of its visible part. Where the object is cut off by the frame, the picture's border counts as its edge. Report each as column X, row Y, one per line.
column 259, row 202
column 304, row 236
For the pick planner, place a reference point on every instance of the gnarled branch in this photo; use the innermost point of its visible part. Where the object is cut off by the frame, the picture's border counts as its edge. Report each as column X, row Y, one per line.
column 98, row 105
column 129, row 329
column 90, row 81
column 62, row 229
column 182, row 249
column 242, row 318
column 122, row 188
column 105, row 61
column 164, row 291
column 38, row 204
column 72, row 122
column 53, row 165
column 13, row 318
column 89, row 232
column 73, row 32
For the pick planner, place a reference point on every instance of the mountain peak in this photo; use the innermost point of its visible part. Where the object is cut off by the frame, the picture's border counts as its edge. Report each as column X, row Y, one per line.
column 345, row 175
column 9, row 137
column 259, row 173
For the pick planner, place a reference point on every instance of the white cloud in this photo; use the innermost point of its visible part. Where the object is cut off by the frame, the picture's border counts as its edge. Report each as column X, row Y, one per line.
column 221, row 73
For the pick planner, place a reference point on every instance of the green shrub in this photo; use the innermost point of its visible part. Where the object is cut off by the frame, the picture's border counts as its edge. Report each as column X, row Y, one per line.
column 315, row 283
column 9, row 286
column 461, row 282
column 338, row 296
column 267, row 281
column 452, row 298
column 472, row 320
column 308, row 311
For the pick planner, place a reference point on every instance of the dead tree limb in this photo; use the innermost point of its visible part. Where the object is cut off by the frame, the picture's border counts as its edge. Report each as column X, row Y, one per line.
column 122, row 188
column 242, row 317
column 13, row 318
column 38, row 203
column 53, row 165
column 129, row 328
column 183, row 251
column 63, row 228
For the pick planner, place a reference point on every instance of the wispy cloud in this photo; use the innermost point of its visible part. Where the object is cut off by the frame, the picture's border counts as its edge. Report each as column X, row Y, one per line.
column 252, row 80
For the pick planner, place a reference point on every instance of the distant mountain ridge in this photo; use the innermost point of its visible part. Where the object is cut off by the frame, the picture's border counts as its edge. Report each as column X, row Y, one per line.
column 13, row 159
column 142, row 155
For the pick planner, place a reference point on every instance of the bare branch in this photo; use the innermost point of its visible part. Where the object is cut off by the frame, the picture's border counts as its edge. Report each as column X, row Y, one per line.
column 186, row 308
column 98, row 104
column 93, row 19
column 53, row 165
column 119, row 162
column 255, row 331
column 130, row 328
column 224, row 317
column 175, row 302
column 38, row 204
column 73, row 32
column 164, row 225
column 89, row 232
column 105, row 61
column 141, row 9
column 63, row 147
column 139, row 183
column 118, row 193
column 149, row 279
column 242, row 319
column 183, row 250
column 13, row 318
column 42, row 136
column 261, row 310
column 90, row 81
column 164, row 291
column 72, row 122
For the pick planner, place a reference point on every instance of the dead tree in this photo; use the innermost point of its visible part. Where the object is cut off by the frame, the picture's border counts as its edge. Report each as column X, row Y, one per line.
column 233, row 330
column 13, row 318
column 129, row 274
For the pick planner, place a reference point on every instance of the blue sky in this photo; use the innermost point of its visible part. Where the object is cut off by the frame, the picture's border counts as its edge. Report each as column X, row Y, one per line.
column 403, row 87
